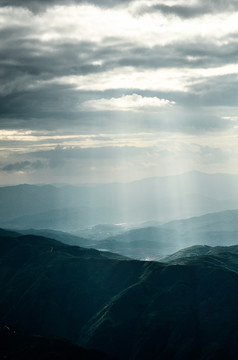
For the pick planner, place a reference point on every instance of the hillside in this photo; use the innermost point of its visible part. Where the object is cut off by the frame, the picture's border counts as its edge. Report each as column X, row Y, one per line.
column 61, row 236
column 215, row 229
column 142, row 243
column 186, row 311
column 200, row 250
column 18, row 346
column 218, row 221
column 129, row 309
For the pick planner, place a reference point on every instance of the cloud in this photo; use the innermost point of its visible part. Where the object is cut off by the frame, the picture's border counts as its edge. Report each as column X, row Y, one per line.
column 195, row 9
column 132, row 102
column 192, row 10
column 41, row 5
column 216, row 91
column 212, row 155
column 23, row 166
column 57, row 109
column 31, row 59
column 61, row 154
column 177, row 10
column 65, row 68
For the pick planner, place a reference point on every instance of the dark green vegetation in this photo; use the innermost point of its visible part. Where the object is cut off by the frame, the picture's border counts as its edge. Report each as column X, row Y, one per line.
column 186, row 309
column 200, row 250
column 61, row 236
column 17, row 346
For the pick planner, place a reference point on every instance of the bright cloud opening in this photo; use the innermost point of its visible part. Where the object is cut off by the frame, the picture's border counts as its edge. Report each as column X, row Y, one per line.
column 132, row 102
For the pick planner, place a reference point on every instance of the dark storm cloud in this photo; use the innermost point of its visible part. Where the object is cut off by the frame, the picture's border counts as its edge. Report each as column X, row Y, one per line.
column 178, row 10
column 30, row 59
column 29, row 100
column 23, row 166
column 25, row 59
column 41, row 5
column 180, row 54
column 54, row 107
column 34, row 109
column 202, row 7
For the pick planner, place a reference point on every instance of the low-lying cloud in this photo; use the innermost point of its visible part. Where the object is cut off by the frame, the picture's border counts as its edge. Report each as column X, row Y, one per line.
column 190, row 10
column 132, row 102
column 23, row 166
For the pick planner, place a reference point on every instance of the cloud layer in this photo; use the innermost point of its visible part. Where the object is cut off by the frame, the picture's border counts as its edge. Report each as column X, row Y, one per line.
column 96, row 78
column 132, row 102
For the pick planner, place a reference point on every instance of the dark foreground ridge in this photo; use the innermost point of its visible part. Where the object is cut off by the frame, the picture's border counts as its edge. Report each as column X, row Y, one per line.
column 186, row 309
column 18, row 346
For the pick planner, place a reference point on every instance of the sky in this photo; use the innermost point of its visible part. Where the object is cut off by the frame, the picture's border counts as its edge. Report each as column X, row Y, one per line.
column 105, row 91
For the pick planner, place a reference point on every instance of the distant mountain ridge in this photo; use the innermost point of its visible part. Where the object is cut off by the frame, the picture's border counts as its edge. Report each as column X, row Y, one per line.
column 218, row 221
column 61, row 236
column 71, row 207
column 154, row 242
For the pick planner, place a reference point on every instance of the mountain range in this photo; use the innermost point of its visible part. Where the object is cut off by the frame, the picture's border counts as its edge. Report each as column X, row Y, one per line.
column 18, row 346
column 71, row 207
column 153, row 242
column 182, row 309
column 214, row 229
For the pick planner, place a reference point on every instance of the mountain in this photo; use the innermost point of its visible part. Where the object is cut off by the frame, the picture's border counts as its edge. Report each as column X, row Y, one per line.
column 218, row 221
column 200, row 250
column 154, row 243
column 103, row 231
column 142, row 243
column 215, row 229
column 160, row 199
column 67, row 219
column 150, row 243
column 18, row 346
column 186, row 310
column 4, row 232
column 129, row 309
column 61, row 236
column 53, row 289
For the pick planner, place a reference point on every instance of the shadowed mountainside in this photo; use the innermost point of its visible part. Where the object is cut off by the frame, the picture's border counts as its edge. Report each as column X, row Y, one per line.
column 130, row 309
column 18, row 346
column 61, row 236
column 200, row 250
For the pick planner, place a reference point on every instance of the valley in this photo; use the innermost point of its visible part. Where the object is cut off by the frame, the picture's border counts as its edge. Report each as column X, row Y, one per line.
column 126, row 308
